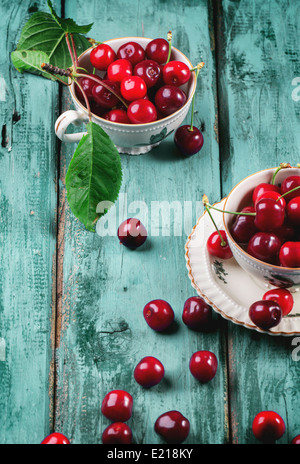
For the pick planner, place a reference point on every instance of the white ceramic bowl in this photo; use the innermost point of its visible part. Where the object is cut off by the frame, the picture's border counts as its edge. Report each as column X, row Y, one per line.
column 134, row 139
column 239, row 197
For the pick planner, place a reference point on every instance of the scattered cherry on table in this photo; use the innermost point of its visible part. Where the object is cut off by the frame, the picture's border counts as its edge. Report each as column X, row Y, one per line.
column 203, row 365
column 173, row 427
column 197, row 314
column 265, row 314
column 132, row 233
column 117, row 406
column 149, row 372
column 56, row 438
column 159, row 315
column 117, row 433
column 268, row 426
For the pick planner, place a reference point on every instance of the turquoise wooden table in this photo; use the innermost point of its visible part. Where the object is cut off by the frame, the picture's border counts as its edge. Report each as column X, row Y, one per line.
column 71, row 302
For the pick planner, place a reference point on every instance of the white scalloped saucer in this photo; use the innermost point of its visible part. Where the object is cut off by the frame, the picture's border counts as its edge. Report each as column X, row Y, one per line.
column 225, row 285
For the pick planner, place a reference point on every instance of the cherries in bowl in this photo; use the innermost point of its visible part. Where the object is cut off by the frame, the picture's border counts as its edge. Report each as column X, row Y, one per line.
column 283, row 234
column 139, row 136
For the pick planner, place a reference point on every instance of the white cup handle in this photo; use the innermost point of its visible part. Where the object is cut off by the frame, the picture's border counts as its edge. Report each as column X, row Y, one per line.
column 63, row 122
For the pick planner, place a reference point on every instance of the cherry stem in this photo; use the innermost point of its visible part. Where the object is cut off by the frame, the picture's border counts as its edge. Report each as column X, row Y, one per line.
column 286, row 193
column 99, row 81
column 281, row 166
column 74, row 50
column 236, row 213
column 223, row 243
column 169, row 37
column 70, row 50
column 88, row 107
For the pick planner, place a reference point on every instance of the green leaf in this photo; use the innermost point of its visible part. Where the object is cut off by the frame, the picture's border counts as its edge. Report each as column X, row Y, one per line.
column 30, row 61
column 42, row 33
column 68, row 25
column 94, row 175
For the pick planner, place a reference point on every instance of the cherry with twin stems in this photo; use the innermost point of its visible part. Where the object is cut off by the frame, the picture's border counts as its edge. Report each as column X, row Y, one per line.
column 188, row 138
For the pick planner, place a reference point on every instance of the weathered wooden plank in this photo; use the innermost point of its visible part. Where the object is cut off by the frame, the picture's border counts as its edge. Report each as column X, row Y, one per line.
column 101, row 334
column 258, row 60
column 27, row 239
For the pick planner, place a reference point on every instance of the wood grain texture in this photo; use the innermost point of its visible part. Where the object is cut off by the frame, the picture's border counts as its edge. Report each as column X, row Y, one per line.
column 27, row 239
column 101, row 331
column 258, row 50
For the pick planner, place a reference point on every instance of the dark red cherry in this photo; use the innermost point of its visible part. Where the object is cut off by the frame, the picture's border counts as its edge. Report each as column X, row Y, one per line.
column 296, row 440
column 117, row 433
column 273, row 195
column 118, row 70
column 117, row 406
column 172, row 426
column 103, row 96
column 215, row 246
column 197, row 314
column 262, row 188
column 56, row 439
column 158, row 314
column 270, row 215
column 289, row 255
column 268, row 426
column 293, row 210
column 203, row 365
column 264, row 246
column 141, row 111
column 288, row 184
column 176, row 73
column 158, row 50
column 87, row 85
column 131, row 51
column 132, row 233
column 102, row 56
column 149, row 372
column 243, row 227
column 149, row 71
column 169, row 99
column 265, row 314
column 188, row 141
column 286, row 232
column 133, row 88
column 117, row 115
column 281, row 296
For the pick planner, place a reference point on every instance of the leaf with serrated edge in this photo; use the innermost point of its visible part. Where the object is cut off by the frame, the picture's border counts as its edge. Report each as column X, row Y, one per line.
column 94, row 175
column 68, row 25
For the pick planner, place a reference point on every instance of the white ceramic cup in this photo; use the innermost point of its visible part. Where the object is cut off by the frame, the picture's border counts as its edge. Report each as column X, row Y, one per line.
column 241, row 196
column 134, row 139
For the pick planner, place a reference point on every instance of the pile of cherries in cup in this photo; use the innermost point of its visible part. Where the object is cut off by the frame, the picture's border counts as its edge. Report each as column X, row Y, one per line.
column 268, row 230
column 172, row 426
column 139, row 86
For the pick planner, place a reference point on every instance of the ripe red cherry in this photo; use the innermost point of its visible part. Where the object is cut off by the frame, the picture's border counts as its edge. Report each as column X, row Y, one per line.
column 268, row 426
column 103, row 96
column 265, row 314
column 169, row 99
column 149, row 71
column 133, row 88
column 132, row 233
column 102, row 56
column 118, row 70
column 158, row 314
column 273, row 195
column 176, row 73
column 264, row 246
column 243, row 227
column 141, row 111
column 117, row 115
column 296, row 440
column 87, row 85
column 172, row 426
column 288, row 184
column 131, row 51
column 149, row 372
column 117, row 433
column 188, row 141
column 197, row 314
column 203, row 365
column 261, row 188
column 281, row 296
column 269, row 215
column 158, row 50
column 117, row 406
column 215, row 247
column 286, row 232
column 293, row 211
column 289, row 255
column 56, row 439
